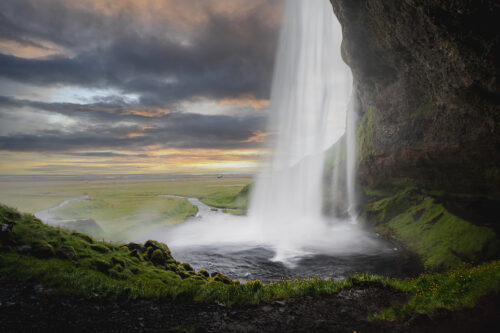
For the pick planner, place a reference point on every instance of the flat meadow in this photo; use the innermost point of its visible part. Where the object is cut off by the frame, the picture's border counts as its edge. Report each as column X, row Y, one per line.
column 125, row 207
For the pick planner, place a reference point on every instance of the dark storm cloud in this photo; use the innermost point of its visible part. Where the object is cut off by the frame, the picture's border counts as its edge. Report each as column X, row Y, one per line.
column 227, row 58
column 178, row 130
column 164, row 61
column 109, row 110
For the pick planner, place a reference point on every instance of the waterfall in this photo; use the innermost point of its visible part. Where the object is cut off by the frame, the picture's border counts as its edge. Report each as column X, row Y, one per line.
column 309, row 99
column 309, row 112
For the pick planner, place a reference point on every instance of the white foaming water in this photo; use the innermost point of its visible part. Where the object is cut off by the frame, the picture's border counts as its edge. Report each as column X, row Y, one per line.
column 309, row 99
column 311, row 88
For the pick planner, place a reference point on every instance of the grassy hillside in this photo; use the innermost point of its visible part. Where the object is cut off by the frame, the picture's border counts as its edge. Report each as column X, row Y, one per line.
column 425, row 226
column 75, row 264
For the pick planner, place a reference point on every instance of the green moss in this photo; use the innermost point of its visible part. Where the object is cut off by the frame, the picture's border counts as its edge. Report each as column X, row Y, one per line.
column 364, row 136
column 441, row 239
column 99, row 248
column 42, row 249
column 454, row 290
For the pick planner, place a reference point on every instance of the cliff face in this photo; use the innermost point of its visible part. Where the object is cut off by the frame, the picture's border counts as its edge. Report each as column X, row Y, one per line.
column 426, row 75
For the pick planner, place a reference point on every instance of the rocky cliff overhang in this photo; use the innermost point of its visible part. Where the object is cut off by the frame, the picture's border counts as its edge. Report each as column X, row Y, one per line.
column 426, row 77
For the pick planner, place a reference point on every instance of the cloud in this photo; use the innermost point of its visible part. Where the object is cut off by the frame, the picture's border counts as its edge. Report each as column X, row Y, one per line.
column 199, row 72
column 177, row 130
column 231, row 55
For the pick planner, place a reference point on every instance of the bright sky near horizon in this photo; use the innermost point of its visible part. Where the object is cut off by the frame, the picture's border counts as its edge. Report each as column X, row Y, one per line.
column 135, row 86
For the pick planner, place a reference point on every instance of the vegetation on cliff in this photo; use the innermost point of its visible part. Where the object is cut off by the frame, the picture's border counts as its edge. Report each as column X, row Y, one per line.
column 441, row 239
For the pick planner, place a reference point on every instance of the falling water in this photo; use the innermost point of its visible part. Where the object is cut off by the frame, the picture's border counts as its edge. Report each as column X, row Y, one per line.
column 286, row 231
column 309, row 99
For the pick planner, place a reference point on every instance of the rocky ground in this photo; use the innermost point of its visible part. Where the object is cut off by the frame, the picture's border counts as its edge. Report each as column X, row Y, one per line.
column 28, row 308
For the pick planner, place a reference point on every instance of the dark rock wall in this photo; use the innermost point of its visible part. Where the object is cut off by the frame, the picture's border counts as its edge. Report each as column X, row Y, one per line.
column 426, row 76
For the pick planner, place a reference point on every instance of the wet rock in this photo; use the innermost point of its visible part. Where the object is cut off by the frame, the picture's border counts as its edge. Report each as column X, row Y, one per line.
column 66, row 252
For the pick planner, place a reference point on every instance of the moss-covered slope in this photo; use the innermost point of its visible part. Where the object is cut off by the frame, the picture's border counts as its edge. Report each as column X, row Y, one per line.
column 441, row 239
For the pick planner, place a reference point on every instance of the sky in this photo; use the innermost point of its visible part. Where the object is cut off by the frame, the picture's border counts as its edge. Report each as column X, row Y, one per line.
column 135, row 86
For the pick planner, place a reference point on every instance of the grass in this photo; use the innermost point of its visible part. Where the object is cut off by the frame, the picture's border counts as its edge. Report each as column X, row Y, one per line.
column 459, row 288
column 234, row 198
column 441, row 239
column 149, row 271
column 125, row 207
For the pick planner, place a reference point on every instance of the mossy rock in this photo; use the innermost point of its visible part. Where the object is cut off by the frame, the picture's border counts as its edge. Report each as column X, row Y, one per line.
column 158, row 246
column 100, row 248
column 187, row 267
column 66, row 252
column 118, row 261
column 204, row 273
column 157, row 257
column 219, row 277
column 172, row 267
column 149, row 253
column 101, row 265
column 135, row 254
column 86, row 238
column 134, row 246
column 9, row 215
column 42, row 250
column 118, row 268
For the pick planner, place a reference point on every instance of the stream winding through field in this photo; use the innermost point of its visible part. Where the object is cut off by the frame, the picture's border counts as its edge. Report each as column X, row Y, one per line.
column 48, row 215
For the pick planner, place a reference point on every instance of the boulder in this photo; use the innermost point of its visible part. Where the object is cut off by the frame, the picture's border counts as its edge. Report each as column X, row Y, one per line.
column 187, row 267
column 204, row 273
column 66, row 252
column 157, row 257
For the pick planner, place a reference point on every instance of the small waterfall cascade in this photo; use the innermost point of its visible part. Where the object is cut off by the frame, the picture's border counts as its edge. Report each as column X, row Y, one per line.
column 310, row 95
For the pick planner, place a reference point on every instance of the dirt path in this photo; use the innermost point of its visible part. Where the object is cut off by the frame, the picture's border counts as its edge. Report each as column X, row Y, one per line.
column 26, row 308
